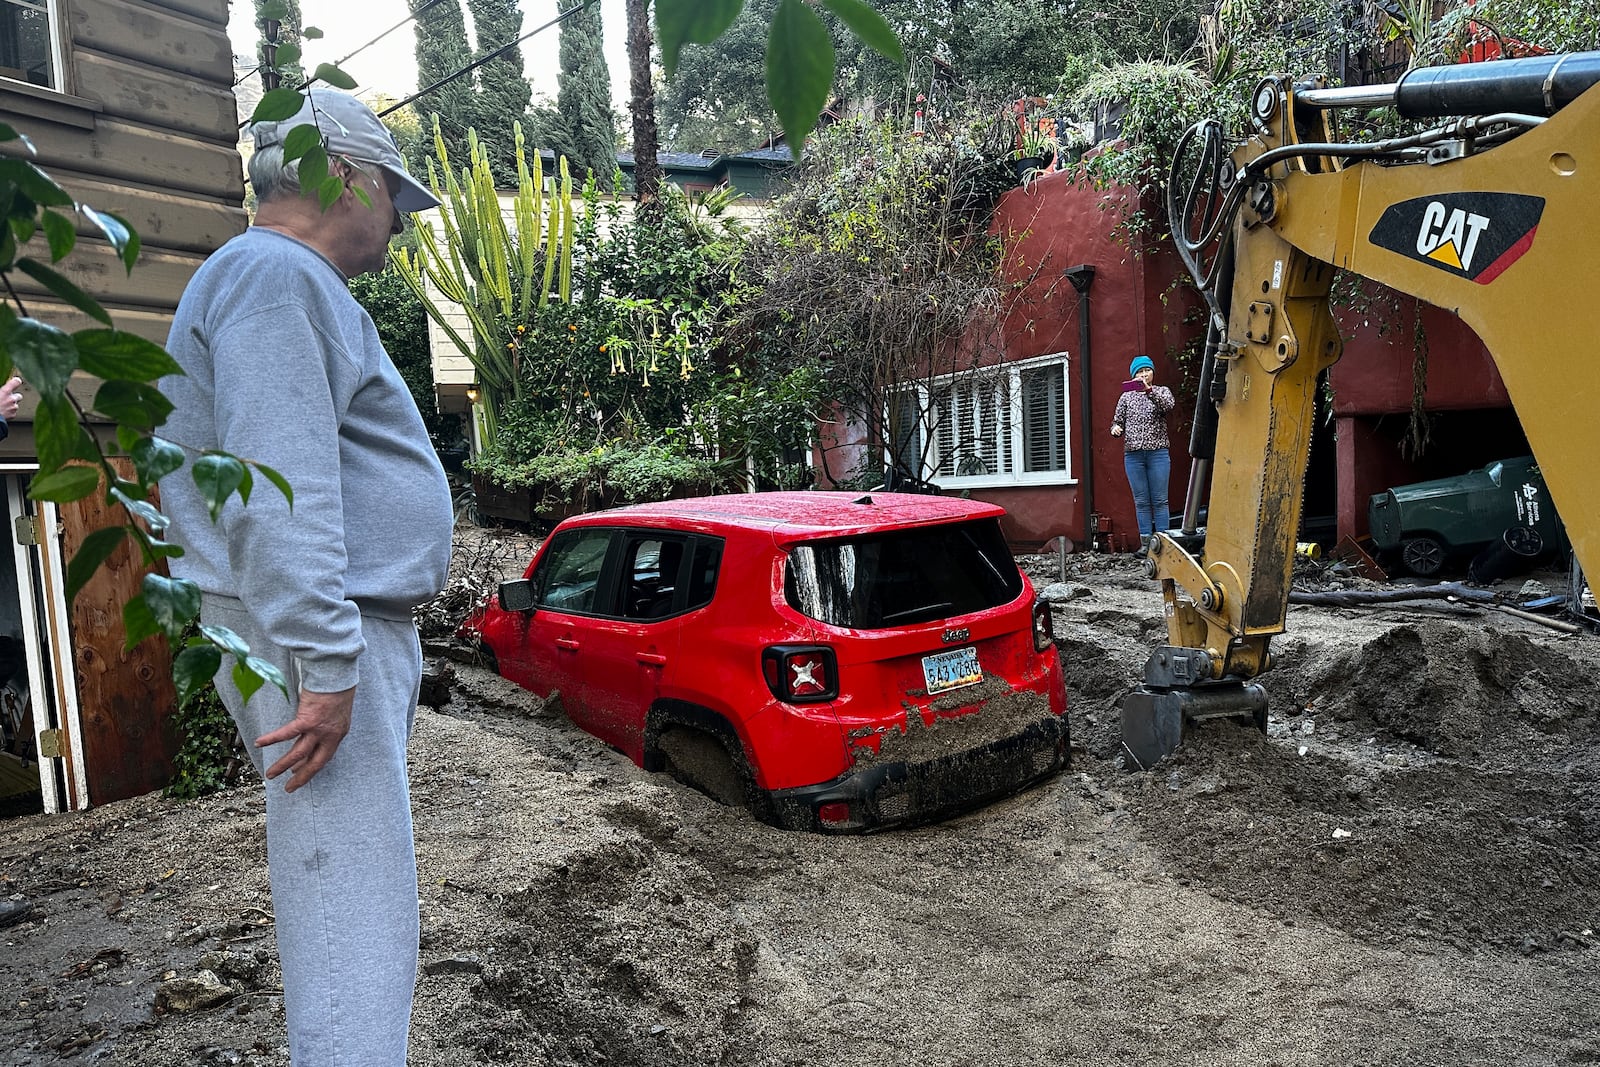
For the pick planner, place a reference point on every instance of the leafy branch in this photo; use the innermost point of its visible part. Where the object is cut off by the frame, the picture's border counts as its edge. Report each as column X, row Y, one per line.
column 801, row 61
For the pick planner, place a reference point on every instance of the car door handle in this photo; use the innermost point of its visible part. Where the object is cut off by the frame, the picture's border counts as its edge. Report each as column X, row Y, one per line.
column 567, row 642
column 653, row 659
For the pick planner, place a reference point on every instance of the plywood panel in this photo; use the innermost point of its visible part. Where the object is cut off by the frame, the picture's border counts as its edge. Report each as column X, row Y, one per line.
column 146, row 95
column 117, row 149
column 169, row 41
column 126, row 698
column 165, row 222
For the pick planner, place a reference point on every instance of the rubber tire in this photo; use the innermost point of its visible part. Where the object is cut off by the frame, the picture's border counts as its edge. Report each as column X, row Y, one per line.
column 1422, row 556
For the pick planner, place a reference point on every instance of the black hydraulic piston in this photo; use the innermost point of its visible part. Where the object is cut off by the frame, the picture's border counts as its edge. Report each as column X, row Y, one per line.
column 1539, row 85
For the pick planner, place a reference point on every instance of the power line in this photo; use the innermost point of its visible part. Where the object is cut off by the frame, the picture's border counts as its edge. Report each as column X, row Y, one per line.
column 409, row 18
column 497, row 53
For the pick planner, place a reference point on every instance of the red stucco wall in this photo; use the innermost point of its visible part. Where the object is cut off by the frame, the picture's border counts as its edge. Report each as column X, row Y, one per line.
column 1056, row 225
column 1374, row 375
column 1136, row 309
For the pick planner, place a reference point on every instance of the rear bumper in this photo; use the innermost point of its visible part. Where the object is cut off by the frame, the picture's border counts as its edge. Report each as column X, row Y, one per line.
column 891, row 795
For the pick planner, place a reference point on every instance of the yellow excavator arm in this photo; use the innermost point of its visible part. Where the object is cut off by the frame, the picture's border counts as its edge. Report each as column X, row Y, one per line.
column 1492, row 212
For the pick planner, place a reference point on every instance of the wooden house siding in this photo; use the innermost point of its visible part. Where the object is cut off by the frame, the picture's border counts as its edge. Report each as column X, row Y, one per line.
column 146, row 127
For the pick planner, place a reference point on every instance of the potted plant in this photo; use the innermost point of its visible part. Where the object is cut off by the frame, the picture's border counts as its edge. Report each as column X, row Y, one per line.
column 1037, row 152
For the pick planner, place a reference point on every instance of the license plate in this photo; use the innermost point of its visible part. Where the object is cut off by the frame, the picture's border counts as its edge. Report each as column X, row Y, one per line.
column 951, row 670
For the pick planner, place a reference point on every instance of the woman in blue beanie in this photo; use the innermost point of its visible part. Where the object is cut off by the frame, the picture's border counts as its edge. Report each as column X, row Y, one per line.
column 1141, row 422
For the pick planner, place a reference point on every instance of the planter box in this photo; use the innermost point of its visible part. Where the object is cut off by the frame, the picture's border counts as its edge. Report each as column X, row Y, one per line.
column 497, row 502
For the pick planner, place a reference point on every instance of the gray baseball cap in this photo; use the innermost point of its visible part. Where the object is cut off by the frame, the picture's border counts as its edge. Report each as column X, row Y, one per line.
column 349, row 128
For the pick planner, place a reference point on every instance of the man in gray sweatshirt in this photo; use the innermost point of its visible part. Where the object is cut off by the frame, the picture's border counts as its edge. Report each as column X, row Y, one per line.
column 282, row 366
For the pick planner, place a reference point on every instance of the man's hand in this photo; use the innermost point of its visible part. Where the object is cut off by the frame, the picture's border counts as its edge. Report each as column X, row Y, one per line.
column 10, row 398
column 1116, row 431
column 319, row 724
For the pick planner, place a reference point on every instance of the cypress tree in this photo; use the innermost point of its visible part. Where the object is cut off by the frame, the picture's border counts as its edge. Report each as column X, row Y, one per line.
column 584, row 99
column 503, row 90
column 442, row 49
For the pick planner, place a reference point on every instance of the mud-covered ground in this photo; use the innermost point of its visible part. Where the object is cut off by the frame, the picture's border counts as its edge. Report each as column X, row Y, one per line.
column 1406, row 870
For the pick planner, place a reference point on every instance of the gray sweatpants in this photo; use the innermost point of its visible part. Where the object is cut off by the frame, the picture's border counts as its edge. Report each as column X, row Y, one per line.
column 340, row 852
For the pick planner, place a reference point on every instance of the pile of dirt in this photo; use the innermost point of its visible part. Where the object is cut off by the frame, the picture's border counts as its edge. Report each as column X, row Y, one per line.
column 1405, row 869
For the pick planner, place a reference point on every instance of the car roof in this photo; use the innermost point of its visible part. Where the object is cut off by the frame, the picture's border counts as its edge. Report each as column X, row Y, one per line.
column 795, row 515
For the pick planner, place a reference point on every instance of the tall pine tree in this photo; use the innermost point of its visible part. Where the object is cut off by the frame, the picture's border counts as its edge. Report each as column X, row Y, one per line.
column 503, row 90
column 442, row 50
column 587, row 132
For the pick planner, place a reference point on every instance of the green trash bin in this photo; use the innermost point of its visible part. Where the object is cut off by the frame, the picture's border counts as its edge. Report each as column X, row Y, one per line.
column 1430, row 523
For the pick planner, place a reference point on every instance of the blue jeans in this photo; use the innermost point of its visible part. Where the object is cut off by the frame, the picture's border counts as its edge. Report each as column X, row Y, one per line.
column 1147, row 477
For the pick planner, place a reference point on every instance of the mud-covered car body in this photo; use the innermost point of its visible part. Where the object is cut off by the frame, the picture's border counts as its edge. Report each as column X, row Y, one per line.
column 856, row 661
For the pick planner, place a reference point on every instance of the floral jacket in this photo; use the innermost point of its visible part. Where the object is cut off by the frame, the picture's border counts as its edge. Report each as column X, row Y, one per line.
column 1143, row 418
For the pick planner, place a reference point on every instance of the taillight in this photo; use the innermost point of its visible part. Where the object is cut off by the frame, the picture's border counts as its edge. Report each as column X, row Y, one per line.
column 801, row 674
column 1044, row 631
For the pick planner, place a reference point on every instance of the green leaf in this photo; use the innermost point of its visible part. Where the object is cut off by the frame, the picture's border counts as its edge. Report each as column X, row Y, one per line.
column 122, row 236
column 64, row 289
column 174, row 603
column 128, row 437
column 94, row 551
column 34, row 183
column 246, row 681
column 154, row 550
column 277, row 10
column 145, row 510
column 154, row 459
column 287, row 57
column 57, row 433
column 132, row 490
column 23, row 227
column 277, row 105
column 311, row 33
column 193, row 668
column 7, row 133
column 871, row 27
column 137, row 622
column 132, row 404
column 225, row 639
column 59, row 232
column 217, row 477
column 333, row 76
column 44, row 355
column 680, row 22
column 800, row 66
column 276, row 479
column 262, row 669
column 64, row 485
column 301, row 140
column 361, row 194
column 329, row 191
column 115, row 354
column 314, row 167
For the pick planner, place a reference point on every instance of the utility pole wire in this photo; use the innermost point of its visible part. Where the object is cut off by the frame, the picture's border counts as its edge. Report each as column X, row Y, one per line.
column 409, row 18
column 498, row 52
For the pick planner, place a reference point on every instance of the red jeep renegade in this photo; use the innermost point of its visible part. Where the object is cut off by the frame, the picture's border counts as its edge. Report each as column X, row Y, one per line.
column 834, row 661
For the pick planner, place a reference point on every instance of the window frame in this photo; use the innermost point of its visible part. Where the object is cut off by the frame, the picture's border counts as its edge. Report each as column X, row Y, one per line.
column 1017, row 429
column 58, row 49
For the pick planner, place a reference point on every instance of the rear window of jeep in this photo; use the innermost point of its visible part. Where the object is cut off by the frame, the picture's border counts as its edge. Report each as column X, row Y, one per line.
column 902, row 577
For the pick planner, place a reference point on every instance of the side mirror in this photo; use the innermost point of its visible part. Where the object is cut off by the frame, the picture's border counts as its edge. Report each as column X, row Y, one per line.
column 516, row 595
